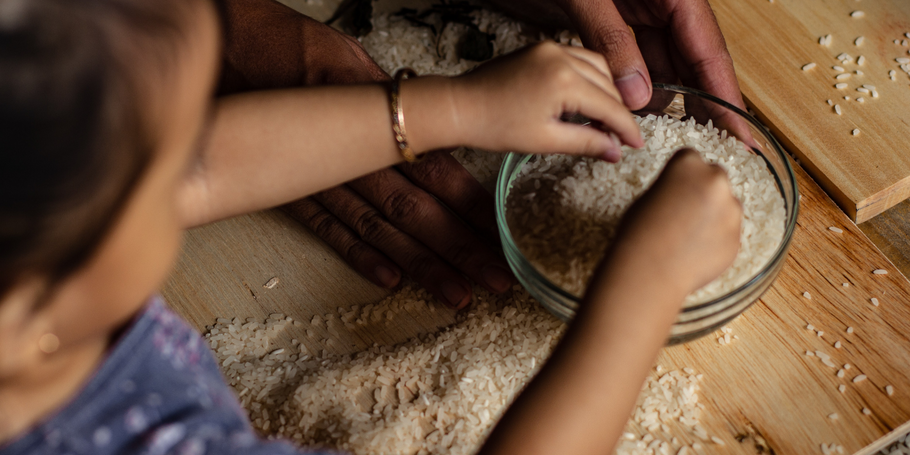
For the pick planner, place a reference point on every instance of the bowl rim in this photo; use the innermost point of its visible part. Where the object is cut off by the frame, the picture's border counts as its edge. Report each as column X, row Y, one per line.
column 503, row 180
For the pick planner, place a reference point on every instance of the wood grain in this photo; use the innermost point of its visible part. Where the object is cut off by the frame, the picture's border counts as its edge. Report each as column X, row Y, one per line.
column 770, row 42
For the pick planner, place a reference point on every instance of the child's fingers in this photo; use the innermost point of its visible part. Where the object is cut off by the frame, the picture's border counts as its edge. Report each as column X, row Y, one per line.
column 573, row 139
column 595, row 59
column 592, row 102
column 599, row 63
column 594, row 74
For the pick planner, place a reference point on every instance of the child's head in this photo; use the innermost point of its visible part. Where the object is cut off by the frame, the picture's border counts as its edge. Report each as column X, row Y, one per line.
column 101, row 104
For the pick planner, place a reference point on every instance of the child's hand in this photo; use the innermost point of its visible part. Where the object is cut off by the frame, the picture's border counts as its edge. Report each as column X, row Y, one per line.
column 678, row 236
column 685, row 229
column 516, row 102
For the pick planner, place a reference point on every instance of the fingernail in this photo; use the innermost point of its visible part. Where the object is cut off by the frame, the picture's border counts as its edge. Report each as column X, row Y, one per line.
column 634, row 90
column 614, row 149
column 611, row 156
column 386, row 276
column 497, row 278
column 454, row 293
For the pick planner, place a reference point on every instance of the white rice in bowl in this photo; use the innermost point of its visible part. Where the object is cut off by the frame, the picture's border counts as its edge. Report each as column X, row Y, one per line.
column 563, row 211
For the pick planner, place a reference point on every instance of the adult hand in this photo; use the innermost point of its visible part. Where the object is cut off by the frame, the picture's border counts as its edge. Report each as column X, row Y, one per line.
column 431, row 220
column 407, row 218
column 674, row 41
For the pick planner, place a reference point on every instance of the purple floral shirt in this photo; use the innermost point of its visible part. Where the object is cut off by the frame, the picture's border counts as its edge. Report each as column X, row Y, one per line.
column 158, row 392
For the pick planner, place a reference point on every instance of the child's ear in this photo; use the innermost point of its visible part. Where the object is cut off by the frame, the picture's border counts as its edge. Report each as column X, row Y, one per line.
column 23, row 332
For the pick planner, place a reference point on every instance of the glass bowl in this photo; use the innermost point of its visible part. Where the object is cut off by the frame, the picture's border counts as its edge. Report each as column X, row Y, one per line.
column 702, row 318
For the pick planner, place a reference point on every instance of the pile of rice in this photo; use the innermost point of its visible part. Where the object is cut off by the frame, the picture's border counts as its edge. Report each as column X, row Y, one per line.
column 438, row 393
column 563, row 211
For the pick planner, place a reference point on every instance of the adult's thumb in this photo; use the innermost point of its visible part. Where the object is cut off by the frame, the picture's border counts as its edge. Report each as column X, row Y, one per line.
column 602, row 29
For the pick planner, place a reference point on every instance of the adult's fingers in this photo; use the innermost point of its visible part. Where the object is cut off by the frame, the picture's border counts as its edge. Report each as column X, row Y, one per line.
column 441, row 175
column 603, row 29
column 365, row 259
column 703, row 49
column 705, row 110
column 427, row 268
column 417, row 213
column 654, row 45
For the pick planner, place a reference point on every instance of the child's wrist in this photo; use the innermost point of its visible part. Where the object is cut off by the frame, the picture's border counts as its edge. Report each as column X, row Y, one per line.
column 430, row 112
column 647, row 272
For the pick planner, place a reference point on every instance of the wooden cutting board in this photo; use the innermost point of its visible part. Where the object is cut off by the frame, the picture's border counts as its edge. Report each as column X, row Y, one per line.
column 771, row 40
column 760, row 386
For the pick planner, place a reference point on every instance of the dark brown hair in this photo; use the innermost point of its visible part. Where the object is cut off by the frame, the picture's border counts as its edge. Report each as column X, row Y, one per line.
column 75, row 77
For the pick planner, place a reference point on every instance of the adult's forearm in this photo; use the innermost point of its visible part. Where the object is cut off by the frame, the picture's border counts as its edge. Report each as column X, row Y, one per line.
column 582, row 397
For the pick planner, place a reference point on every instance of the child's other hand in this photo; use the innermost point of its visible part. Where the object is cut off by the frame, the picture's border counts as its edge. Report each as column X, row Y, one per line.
column 685, row 228
column 516, row 102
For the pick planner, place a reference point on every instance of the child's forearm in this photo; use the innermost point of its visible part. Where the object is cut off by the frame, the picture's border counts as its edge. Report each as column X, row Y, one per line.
column 582, row 398
column 267, row 148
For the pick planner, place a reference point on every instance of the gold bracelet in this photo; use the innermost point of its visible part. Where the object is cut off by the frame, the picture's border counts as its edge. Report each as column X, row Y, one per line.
column 401, row 137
